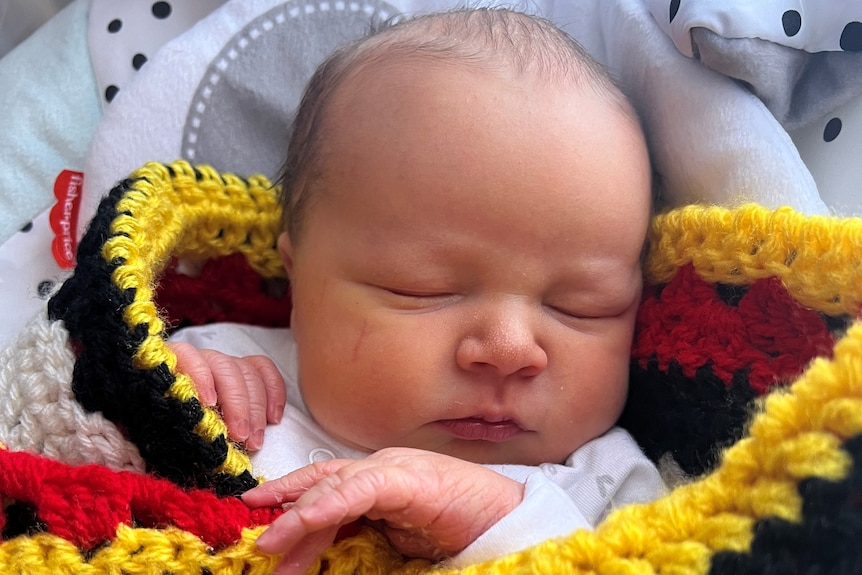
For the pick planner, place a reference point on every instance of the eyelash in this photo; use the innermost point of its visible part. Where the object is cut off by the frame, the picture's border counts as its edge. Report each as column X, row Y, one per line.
column 413, row 295
column 416, row 301
column 569, row 314
column 579, row 316
column 431, row 296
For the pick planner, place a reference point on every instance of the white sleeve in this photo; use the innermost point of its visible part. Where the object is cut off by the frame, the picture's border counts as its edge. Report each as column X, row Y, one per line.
column 605, row 473
column 546, row 512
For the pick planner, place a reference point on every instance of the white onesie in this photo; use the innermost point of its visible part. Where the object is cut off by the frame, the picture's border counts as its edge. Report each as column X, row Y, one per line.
column 605, row 473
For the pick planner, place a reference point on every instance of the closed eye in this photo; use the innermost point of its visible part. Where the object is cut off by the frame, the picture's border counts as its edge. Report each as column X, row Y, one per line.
column 569, row 313
column 415, row 299
column 416, row 294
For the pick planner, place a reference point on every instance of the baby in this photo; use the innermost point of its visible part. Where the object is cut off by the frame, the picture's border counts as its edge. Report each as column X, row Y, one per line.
column 466, row 197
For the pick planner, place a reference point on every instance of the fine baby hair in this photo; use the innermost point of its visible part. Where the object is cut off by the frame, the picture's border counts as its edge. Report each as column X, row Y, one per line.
column 493, row 39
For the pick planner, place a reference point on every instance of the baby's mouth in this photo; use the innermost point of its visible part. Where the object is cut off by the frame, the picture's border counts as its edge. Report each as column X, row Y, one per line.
column 478, row 428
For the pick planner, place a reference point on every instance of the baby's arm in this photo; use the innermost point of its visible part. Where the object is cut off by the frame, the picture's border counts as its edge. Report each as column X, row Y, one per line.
column 249, row 390
column 430, row 505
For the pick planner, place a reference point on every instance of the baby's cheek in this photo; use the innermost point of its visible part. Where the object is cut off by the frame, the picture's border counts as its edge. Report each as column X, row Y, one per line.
column 593, row 399
column 351, row 414
column 340, row 423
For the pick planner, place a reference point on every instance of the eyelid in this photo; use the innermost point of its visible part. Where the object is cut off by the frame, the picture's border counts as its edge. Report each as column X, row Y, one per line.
column 417, row 294
column 412, row 293
column 593, row 304
column 592, row 310
column 573, row 314
column 414, row 300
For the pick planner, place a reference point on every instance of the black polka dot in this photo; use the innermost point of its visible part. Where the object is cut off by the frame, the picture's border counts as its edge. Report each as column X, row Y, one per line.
column 115, row 26
column 832, row 129
column 161, row 10
column 674, row 8
column 45, row 288
column 138, row 61
column 27, row 227
column 111, row 92
column 851, row 37
column 792, row 22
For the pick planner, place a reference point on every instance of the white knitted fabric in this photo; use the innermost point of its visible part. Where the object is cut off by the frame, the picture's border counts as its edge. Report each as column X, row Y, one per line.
column 39, row 412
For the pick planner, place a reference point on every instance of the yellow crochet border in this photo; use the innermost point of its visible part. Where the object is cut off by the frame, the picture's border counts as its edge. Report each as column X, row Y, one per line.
column 196, row 213
column 816, row 257
column 798, row 433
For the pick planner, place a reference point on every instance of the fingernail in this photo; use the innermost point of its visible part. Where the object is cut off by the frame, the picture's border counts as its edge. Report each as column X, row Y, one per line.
column 263, row 540
column 257, row 439
column 279, row 413
column 242, row 429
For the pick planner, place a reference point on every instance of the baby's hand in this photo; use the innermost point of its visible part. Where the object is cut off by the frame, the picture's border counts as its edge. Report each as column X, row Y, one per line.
column 431, row 505
column 249, row 390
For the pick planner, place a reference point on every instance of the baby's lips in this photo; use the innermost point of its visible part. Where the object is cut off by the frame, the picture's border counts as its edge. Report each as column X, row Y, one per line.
column 473, row 428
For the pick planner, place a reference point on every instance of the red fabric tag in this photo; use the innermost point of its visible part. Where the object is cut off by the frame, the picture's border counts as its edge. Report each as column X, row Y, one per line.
column 64, row 217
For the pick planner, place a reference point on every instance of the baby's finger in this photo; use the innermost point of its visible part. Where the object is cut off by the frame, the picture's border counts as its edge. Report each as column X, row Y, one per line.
column 291, row 486
column 338, row 499
column 290, row 535
column 191, row 362
column 256, row 404
column 232, row 393
column 273, row 382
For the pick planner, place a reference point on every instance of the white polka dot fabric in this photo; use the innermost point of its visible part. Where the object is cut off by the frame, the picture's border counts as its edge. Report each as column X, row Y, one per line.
column 831, row 147
column 809, row 25
column 28, row 276
column 123, row 36
column 803, row 59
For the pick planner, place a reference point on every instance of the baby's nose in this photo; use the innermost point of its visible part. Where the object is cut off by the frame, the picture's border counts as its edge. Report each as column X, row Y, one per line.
column 503, row 344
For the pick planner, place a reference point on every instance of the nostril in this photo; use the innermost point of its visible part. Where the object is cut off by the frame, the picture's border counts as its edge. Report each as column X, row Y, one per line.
column 502, row 358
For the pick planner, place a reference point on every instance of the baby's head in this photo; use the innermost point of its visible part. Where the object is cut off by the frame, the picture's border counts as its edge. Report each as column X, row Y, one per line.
column 466, row 199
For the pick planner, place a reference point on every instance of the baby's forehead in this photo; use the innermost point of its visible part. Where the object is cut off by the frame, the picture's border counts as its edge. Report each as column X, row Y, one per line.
column 407, row 74
column 491, row 41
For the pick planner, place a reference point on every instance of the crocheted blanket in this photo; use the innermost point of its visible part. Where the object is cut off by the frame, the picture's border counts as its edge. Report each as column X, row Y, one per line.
column 746, row 379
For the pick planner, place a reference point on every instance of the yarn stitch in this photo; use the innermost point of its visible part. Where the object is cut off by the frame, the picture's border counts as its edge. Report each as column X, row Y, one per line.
column 746, row 370
column 39, row 412
column 161, row 211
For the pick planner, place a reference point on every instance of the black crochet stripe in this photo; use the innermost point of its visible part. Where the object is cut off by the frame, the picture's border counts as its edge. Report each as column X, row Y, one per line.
column 104, row 377
column 827, row 541
column 690, row 418
column 21, row 519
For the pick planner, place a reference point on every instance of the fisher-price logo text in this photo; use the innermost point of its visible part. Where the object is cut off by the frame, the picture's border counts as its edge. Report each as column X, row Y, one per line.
column 64, row 217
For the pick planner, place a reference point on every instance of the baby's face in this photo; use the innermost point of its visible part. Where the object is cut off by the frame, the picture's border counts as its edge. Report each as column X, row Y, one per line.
column 468, row 273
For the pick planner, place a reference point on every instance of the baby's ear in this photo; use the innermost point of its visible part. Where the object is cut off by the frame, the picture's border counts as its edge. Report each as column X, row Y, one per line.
column 285, row 250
